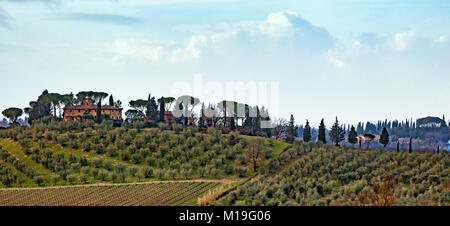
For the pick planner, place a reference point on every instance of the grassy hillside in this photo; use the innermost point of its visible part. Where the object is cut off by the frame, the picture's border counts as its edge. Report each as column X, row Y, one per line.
column 63, row 153
column 313, row 174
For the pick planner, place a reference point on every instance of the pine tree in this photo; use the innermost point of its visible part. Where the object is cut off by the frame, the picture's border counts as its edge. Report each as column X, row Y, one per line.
column 384, row 137
column 369, row 138
column 337, row 133
column 352, row 136
column 99, row 112
column 111, row 100
column 321, row 136
column 307, row 132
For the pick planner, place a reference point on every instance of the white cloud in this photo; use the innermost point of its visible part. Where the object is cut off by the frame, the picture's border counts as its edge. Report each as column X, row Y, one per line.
column 193, row 49
column 402, row 41
column 157, row 51
column 138, row 49
column 336, row 62
column 280, row 32
column 442, row 39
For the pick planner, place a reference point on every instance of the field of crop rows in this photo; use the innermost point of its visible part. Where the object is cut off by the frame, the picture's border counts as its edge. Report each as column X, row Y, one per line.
column 144, row 194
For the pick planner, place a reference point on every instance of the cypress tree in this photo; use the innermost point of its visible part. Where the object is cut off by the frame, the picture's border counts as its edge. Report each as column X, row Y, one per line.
column 384, row 137
column 321, row 136
column 307, row 132
column 111, row 100
column 438, row 149
column 398, row 146
column 99, row 112
column 201, row 122
column 232, row 123
column 149, row 110
column 152, row 108
column 352, row 136
column 443, row 123
column 291, row 126
column 258, row 119
column 360, row 143
column 162, row 110
column 337, row 133
column 410, row 145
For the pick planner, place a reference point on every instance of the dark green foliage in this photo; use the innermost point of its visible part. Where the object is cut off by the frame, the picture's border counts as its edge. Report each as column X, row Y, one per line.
column 410, row 145
column 352, row 136
column 324, row 175
column 307, row 132
column 369, row 137
column 322, row 136
column 384, row 137
column 99, row 112
column 162, row 105
column 337, row 133
column 111, row 100
column 152, row 108
column 292, row 127
column 13, row 114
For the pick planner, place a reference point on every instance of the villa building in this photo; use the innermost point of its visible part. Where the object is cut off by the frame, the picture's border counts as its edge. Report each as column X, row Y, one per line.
column 77, row 112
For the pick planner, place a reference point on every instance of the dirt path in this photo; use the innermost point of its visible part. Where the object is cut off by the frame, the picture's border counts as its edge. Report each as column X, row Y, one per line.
column 222, row 181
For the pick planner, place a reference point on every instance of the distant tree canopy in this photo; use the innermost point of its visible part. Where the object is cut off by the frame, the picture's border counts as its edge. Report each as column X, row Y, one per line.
column 95, row 96
column 369, row 137
column 133, row 114
column 138, row 107
column 168, row 101
column 38, row 109
column 56, row 100
column 12, row 113
column 434, row 128
column 431, row 122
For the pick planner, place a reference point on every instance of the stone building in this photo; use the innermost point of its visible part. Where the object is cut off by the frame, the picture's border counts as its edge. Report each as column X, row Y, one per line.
column 77, row 112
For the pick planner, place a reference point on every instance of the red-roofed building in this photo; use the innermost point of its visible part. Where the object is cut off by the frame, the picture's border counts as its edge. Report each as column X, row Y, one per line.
column 74, row 113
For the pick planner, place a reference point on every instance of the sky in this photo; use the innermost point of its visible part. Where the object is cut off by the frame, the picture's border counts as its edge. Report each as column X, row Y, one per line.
column 357, row 60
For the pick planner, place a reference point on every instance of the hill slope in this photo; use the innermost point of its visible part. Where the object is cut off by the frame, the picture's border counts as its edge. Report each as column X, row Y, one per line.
column 312, row 174
column 63, row 153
